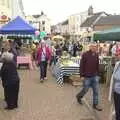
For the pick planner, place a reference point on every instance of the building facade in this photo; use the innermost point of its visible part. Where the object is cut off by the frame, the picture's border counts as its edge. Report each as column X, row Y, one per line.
column 65, row 27
column 61, row 28
column 10, row 9
column 5, row 11
column 41, row 22
column 76, row 20
column 17, row 8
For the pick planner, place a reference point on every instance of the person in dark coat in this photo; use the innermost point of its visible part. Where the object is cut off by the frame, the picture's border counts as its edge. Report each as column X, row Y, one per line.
column 13, row 51
column 58, row 52
column 74, row 50
column 10, row 81
column 89, row 73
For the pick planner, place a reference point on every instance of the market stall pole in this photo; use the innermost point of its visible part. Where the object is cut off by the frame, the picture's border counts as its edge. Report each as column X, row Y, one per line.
column 109, row 73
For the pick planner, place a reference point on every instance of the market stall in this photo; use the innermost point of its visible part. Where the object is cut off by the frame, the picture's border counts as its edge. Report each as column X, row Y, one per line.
column 25, row 60
column 65, row 69
column 68, row 66
column 109, row 35
column 18, row 27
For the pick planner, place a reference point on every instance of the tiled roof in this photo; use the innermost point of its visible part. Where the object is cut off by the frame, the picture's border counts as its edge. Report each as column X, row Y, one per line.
column 109, row 20
column 38, row 16
column 90, row 20
column 65, row 22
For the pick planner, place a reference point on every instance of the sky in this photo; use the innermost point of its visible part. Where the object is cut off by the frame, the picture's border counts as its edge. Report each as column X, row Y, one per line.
column 59, row 10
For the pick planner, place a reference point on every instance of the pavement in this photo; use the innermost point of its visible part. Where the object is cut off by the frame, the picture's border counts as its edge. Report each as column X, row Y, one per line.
column 48, row 101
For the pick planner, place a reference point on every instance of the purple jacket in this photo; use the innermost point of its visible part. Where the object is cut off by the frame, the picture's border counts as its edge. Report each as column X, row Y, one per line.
column 89, row 64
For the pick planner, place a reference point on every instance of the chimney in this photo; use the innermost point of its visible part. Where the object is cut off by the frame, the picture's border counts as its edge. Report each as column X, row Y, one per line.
column 90, row 10
column 42, row 13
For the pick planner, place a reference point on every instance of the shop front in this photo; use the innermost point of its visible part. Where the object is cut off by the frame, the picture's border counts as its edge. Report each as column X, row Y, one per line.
column 4, row 19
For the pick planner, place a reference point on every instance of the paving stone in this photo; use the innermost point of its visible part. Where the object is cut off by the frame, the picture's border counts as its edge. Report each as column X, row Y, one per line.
column 47, row 101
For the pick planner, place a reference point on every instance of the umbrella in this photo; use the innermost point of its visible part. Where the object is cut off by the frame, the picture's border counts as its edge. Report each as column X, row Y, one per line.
column 58, row 37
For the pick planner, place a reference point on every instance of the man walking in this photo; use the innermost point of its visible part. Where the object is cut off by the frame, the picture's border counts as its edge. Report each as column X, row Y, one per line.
column 89, row 69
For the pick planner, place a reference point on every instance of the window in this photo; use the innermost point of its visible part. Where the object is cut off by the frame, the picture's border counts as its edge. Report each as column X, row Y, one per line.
column 43, row 22
column 43, row 28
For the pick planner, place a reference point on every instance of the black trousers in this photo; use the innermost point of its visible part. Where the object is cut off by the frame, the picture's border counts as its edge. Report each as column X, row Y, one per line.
column 117, row 105
column 11, row 95
column 43, row 69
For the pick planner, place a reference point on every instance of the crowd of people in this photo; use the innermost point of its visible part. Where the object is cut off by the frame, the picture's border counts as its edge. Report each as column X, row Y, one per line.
column 48, row 53
column 89, row 66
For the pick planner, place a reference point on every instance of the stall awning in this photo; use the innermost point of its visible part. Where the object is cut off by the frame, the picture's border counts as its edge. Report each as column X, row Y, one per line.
column 17, row 26
column 108, row 35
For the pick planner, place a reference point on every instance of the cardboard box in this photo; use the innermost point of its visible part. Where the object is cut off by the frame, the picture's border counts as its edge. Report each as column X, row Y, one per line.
column 77, row 83
column 75, row 78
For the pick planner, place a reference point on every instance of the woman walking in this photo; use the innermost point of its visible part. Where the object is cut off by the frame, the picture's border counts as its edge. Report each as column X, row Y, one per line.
column 44, row 57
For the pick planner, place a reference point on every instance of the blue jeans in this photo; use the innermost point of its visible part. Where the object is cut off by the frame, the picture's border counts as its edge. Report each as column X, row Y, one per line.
column 92, row 82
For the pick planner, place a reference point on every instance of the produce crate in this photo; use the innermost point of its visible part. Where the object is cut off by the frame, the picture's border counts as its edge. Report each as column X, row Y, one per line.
column 75, row 80
column 74, row 83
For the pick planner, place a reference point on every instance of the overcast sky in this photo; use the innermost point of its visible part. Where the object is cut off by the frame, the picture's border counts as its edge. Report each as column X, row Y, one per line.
column 58, row 10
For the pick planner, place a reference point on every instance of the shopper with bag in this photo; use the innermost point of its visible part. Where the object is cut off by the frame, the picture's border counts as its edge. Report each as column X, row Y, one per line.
column 43, row 57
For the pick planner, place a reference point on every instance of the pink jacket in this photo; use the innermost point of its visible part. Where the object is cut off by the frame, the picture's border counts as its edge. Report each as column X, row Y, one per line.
column 39, row 54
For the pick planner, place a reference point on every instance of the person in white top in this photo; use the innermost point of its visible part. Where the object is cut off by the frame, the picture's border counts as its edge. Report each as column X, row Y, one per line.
column 43, row 57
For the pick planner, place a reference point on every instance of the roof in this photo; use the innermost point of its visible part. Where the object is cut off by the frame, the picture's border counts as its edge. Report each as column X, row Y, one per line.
column 17, row 26
column 90, row 20
column 39, row 15
column 65, row 22
column 109, row 20
column 78, row 13
column 36, row 16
